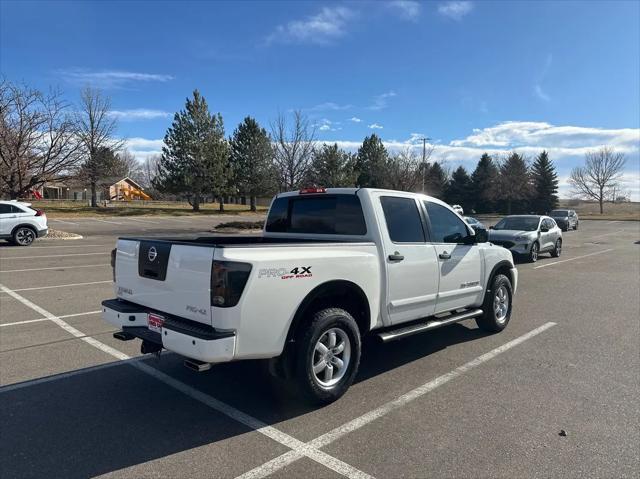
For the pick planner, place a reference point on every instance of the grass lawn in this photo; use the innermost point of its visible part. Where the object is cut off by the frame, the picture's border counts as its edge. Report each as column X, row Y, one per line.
column 69, row 209
column 590, row 210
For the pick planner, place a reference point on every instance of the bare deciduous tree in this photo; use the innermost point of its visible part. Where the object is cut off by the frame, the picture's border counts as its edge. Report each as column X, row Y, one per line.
column 599, row 176
column 402, row 171
column 96, row 130
column 37, row 142
column 293, row 149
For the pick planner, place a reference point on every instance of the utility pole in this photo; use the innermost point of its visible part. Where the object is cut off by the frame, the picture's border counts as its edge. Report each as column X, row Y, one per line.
column 424, row 162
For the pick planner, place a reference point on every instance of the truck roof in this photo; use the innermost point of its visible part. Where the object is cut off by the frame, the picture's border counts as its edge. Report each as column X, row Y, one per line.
column 347, row 191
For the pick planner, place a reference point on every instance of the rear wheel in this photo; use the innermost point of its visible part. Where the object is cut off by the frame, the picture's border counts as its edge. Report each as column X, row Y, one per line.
column 327, row 355
column 557, row 250
column 24, row 236
column 497, row 305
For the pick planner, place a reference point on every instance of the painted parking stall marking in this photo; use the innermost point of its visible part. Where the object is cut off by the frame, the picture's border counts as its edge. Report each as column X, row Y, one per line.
column 572, row 259
column 321, row 441
column 300, row 447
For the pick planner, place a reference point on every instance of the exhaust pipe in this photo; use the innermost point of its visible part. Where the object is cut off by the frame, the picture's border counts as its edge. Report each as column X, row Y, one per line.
column 197, row 366
column 148, row 347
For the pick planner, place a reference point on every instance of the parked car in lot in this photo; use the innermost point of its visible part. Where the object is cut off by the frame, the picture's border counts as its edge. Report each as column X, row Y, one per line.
column 528, row 235
column 332, row 266
column 474, row 223
column 566, row 219
column 20, row 224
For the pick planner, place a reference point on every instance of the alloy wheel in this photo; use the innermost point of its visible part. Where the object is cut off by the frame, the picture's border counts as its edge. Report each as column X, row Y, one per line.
column 331, row 357
column 25, row 236
column 501, row 304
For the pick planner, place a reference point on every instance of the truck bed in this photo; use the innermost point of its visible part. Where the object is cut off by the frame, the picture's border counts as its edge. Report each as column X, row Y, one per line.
column 244, row 241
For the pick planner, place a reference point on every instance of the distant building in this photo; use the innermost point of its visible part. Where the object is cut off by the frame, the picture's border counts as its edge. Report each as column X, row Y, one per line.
column 109, row 189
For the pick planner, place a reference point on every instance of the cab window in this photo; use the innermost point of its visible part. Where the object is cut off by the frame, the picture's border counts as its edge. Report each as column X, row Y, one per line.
column 403, row 219
column 446, row 227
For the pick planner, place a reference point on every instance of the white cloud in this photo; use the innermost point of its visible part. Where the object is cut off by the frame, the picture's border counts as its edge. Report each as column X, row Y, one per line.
column 322, row 28
column 541, row 94
column 110, row 78
column 139, row 114
column 375, row 126
column 355, row 119
column 407, row 9
column 328, row 125
column 329, row 105
column 455, row 10
column 381, row 101
column 540, row 134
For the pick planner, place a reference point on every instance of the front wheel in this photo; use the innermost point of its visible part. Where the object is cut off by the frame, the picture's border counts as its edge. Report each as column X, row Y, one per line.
column 328, row 355
column 24, row 236
column 533, row 254
column 576, row 226
column 497, row 305
column 557, row 250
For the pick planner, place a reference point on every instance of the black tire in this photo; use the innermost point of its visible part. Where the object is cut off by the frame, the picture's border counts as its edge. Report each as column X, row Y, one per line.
column 24, row 236
column 557, row 249
column 323, row 323
column 534, row 253
column 493, row 320
column 576, row 226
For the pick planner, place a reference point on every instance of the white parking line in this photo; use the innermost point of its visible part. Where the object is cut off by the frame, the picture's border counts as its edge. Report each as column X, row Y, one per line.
column 607, row 234
column 571, row 259
column 63, row 285
column 142, row 221
column 62, row 221
column 301, row 448
column 105, row 221
column 322, row 441
column 46, row 319
column 54, row 255
column 53, row 267
column 64, row 246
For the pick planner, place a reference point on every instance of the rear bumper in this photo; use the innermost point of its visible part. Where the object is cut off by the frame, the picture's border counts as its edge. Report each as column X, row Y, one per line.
column 43, row 232
column 182, row 336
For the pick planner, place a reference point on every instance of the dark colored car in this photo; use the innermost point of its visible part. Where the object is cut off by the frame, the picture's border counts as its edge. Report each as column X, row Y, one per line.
column 566, row 219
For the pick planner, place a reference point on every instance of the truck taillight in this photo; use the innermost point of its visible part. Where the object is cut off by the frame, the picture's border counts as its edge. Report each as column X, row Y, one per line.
column 228, row 279
column 308, row 191
column 114, row 251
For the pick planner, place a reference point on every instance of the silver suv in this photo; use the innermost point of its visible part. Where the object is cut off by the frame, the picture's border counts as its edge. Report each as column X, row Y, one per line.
column 566, row 219
column 528, row 236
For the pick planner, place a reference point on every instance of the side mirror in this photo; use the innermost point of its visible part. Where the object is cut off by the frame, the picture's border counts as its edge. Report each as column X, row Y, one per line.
column 481, row 235
column 544, row 229
column 491, row 227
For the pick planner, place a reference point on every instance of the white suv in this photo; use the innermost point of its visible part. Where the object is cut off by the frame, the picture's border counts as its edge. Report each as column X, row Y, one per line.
column 21, row 224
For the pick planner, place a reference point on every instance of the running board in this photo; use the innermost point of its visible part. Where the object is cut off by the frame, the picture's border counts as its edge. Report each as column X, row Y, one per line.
column 404, row 331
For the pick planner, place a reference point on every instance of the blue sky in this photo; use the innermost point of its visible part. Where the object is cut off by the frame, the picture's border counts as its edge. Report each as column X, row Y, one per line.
column 473, row 76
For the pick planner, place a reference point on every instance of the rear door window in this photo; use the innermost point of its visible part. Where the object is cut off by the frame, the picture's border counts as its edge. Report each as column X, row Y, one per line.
column 404, row 223
column 326, row 214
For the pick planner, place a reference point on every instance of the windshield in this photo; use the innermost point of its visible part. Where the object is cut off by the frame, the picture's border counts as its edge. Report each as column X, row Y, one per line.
column 518, row 223
column 559, row 213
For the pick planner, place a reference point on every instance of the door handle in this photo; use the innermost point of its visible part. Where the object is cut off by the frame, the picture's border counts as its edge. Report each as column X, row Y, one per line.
column 396, row 256
column 444, row 255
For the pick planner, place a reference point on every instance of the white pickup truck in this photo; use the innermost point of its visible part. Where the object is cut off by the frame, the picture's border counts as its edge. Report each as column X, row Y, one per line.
column 331, row 266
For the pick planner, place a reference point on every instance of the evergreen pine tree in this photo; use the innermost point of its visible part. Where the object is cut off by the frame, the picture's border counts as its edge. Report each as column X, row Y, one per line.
column 437, row 180
column 251, row 161
column 371, row 163
column 514, row 184
column 458, row 191
column 195, row 153
column 544, row 181
column 484, row 185
column 331, row 167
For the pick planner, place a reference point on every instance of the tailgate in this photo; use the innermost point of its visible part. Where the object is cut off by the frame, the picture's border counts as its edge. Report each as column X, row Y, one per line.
column 171, row 278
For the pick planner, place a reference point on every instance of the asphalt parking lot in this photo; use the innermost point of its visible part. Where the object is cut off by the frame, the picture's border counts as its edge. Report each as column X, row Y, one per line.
column 456, row 402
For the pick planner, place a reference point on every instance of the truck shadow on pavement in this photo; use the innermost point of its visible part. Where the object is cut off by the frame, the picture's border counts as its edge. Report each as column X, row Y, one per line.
column 105, row 420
